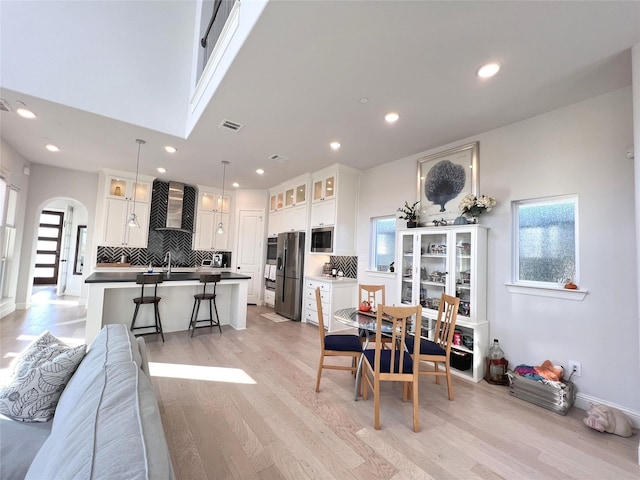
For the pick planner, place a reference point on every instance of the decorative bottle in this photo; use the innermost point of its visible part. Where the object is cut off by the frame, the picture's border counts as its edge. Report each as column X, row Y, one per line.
column 497, row 364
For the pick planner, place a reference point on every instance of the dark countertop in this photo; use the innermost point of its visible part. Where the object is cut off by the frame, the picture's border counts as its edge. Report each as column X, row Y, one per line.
column 112, row 277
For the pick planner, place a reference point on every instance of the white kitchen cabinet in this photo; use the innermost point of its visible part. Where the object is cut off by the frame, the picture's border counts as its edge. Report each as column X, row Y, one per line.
column 335, row 202
column 213, row 208
column 121, row 187
column 118, row 204
column 288, row 206
column 323, row 214
column 335, row 295
column 324, row 186
column 452, row 260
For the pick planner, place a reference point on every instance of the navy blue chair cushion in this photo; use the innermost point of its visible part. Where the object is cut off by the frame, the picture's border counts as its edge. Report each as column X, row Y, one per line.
column 427, row 347
column 342, row 343
column 385, row 360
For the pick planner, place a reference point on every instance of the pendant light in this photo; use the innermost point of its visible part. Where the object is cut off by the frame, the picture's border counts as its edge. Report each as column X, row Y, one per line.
column 133, row 218
column 224, row 174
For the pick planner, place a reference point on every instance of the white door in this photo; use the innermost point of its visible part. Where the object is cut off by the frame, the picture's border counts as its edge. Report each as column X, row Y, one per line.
column 251, row 251
column 64, row 257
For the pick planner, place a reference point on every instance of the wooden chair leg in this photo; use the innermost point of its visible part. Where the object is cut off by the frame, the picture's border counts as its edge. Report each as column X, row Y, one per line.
column 435, row 369
column 376, row 404
column 449, row 382
column 416, row 419
column 319, row 371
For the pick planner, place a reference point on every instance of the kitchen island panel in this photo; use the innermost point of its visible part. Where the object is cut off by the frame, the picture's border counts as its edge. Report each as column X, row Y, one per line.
column 112, row 302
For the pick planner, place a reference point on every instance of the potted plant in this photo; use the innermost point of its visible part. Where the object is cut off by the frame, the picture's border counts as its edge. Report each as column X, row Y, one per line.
column 410, row 213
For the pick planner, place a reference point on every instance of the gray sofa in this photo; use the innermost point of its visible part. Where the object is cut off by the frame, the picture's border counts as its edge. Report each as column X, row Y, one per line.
column 106, row 424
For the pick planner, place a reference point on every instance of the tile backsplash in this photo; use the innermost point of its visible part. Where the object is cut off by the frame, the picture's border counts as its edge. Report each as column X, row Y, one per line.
column 348, row 265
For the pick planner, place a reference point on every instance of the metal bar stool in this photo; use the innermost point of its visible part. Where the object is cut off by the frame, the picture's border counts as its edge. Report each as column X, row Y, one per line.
column 211, row 297
column 146, row 279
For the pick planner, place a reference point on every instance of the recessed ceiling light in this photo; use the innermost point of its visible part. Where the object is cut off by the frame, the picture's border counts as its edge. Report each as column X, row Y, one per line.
column 335, row 145
column 170, row 149
column 162, row 169
column 489, row 69
column 260, row 171
column 235, row 184
column 364, row 100
column 391, row 117
column 52, row 148
column 25, row 113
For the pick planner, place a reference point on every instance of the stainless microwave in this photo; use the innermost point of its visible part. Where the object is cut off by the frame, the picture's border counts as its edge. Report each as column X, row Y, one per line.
column 322, row 239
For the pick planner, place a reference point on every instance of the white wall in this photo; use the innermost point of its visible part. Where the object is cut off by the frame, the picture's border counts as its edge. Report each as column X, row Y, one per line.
column 46, row 185
column 580, row 150
column 12, row 164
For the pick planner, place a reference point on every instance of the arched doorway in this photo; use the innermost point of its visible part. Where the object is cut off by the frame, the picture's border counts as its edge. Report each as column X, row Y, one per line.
column 58, row 256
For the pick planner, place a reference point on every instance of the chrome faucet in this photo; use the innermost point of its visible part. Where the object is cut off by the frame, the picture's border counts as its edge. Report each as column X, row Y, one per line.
column 167, row 258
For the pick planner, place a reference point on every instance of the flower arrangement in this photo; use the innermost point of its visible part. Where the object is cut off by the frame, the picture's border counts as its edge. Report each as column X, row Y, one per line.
column 410, row 213
column 474, row 206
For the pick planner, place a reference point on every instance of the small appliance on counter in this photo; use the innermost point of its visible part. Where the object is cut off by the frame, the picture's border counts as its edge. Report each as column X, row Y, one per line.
column 217, row 260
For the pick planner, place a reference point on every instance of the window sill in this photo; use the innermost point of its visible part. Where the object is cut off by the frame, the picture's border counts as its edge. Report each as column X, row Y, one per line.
column 377, row 273
column 551, row 292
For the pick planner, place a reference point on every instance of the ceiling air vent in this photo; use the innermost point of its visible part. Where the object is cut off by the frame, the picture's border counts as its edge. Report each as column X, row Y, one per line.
column 279, row 158
column 231, row 126
column 4, row 105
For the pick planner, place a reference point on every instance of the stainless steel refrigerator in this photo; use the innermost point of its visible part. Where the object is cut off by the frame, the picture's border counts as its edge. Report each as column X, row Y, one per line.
column 290, row 274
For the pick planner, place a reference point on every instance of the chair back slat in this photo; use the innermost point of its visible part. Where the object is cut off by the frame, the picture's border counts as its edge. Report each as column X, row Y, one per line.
column 446, row 324
column 207, row 278
column 320, row 317
column 403, row 320
column 370, row 294
column 146, row 279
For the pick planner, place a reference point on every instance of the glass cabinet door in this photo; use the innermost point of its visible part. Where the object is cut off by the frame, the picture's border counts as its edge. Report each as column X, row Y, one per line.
column 288, row 197
column 301, row 194
column 406, row 269
column 433, row 269
column 463, row 277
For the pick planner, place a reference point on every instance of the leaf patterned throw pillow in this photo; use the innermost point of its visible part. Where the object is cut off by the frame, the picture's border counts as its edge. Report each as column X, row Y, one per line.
column 39, row 376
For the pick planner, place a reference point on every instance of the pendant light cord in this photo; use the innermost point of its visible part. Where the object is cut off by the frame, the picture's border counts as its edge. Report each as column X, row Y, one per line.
column 135, row 184
column 224, row 176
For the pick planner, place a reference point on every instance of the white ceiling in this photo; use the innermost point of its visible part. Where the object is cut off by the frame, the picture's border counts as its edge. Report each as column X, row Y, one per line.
column 101, row 74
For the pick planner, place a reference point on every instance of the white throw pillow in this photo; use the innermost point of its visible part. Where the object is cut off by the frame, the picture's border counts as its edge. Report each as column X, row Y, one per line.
column 39, row 376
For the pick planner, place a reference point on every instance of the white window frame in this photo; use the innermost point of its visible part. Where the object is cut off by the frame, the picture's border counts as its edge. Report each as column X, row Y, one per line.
column 373, row 241
column 541, row 288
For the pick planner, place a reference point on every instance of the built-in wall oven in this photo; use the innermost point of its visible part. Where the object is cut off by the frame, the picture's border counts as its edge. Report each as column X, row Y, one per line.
column 270, row 275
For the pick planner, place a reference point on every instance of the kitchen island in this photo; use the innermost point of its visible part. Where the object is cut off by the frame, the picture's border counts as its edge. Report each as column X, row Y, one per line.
column 111, row 296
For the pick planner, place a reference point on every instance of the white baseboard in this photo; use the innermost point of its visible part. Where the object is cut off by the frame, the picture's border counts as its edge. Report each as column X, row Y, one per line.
column 7, row 308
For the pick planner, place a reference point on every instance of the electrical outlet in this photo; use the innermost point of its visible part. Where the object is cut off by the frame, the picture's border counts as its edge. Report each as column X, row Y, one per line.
column 575, row 367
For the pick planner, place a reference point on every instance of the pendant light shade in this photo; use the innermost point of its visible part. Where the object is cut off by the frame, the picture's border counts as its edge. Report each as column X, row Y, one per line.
column 220, row 230
column 132, row 221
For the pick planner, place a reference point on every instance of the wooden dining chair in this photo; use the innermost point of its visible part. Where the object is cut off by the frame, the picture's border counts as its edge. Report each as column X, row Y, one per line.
column 393, row 363
column 336, row 346
column 438, row 350
column 375, row 295
column 369, row 293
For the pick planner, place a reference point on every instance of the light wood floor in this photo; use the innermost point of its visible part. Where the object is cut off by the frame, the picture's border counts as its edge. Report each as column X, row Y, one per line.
column 251, row 412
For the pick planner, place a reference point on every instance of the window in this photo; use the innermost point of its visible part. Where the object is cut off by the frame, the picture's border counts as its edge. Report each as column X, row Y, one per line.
column 383, row 243
column 546, row 242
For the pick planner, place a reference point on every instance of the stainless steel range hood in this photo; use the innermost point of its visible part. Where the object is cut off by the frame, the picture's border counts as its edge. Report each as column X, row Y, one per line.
column 175, row 204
